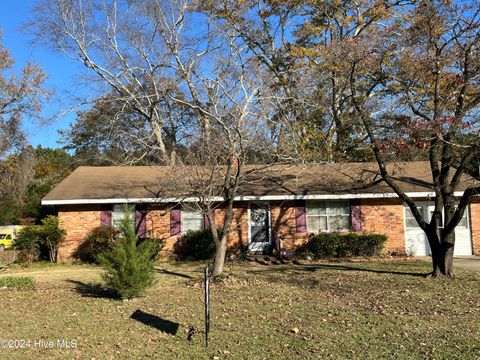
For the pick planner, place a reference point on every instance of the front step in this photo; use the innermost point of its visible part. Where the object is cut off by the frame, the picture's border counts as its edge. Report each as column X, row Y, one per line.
column 267, row 260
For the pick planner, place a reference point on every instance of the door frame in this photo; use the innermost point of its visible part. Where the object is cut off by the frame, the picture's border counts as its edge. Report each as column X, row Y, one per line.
column 269, row 226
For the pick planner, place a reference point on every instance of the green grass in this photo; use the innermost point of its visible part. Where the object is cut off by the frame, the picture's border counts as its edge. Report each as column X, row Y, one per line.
column 361, row 311
column 18, row 282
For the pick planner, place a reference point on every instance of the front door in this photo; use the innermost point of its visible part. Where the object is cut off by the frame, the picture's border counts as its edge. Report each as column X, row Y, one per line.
column 259, row 220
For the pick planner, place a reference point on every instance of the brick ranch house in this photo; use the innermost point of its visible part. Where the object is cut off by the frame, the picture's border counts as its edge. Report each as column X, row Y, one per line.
column 277, row 202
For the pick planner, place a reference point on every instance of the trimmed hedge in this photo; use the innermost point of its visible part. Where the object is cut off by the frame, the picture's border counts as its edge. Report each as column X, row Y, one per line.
column 344, row 245
column 195, row 245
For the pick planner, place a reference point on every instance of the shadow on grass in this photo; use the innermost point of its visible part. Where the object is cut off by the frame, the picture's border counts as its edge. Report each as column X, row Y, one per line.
column 173, row 273
column 166, row 326
column 326, row 266
column 93, row 290
column 315, row 267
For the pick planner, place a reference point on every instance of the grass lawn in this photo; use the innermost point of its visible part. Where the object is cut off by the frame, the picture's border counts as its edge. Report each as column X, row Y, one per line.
column 367, row 311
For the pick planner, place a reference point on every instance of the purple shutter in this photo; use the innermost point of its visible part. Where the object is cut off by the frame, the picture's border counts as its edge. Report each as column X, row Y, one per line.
column 206, row 222
column 106, row 216
column 175, row 222
column 356, row 216
column 141, row 222
column 300, row 216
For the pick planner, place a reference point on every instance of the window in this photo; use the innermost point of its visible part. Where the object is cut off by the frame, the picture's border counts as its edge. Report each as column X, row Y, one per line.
column 192, row 220
column 410, row 221
column 464, row 222
column 118, row 214
column 328, row 216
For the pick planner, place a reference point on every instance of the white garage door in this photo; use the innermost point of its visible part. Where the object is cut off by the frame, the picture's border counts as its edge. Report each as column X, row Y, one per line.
column 416, row 242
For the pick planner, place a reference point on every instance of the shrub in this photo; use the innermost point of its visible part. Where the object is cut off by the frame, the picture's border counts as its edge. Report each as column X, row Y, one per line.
column 38, row 242
column 52, row 235
column 344, row 245
column 17, row 282
column 129, row 264
column 195, row 245
column 96, row 243
column 29, row 243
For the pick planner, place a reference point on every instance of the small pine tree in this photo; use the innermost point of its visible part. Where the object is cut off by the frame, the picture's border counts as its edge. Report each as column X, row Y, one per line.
column 129, row 265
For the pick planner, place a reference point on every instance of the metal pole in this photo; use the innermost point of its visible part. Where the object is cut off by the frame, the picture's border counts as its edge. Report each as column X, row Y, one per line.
column 207, row 304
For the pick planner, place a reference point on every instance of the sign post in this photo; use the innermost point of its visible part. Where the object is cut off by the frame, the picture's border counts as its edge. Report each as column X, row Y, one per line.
column 207, row 304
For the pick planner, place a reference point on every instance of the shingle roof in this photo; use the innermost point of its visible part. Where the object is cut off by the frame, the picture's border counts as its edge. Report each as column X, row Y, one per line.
column 88, row 184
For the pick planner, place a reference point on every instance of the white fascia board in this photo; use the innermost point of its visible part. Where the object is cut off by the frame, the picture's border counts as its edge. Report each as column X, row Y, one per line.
column 240, row 198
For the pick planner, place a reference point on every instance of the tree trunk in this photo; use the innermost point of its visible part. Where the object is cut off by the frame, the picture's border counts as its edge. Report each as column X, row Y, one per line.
column 442, row 255
column 220, row 253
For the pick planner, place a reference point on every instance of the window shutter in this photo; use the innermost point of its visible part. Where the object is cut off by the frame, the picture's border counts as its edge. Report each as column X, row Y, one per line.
column 300, row 216
column 141, row 222
column 175, row 222
column 356, row 216
column 206, row 222
column 106, row 216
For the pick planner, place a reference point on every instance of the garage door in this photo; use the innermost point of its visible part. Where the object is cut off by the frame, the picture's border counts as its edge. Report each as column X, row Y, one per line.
column 416, row 242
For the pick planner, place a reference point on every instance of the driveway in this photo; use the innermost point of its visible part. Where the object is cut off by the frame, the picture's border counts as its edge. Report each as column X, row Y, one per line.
column 467, row 262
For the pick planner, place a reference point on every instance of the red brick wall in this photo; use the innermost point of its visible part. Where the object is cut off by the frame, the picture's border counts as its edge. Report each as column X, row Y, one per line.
column 284, row 224
column 238, row 232
column 385, row 216
column 78, row 221
column 380, row 215
column 158, row 226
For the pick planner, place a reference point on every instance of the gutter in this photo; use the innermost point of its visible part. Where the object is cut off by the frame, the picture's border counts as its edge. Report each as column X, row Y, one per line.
column 240, row 198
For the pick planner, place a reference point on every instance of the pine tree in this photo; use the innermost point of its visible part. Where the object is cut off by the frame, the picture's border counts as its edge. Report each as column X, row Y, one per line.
column 129, row 264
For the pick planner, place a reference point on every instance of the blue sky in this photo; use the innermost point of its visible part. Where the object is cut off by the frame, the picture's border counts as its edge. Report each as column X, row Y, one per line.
column 61, row 71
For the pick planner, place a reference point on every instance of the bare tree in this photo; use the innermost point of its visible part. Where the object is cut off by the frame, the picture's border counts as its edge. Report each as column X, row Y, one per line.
column 153, row 53
column 137, row 50
column 21, row 96
column 21, row 99
column 237, row 106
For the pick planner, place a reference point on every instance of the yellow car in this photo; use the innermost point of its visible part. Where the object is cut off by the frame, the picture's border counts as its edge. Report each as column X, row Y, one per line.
column 8, row 235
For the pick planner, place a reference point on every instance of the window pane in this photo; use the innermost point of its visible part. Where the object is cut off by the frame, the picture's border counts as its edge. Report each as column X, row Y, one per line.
column 411, row 223
column 408, row 213
column 192, row 220
column 338, row 207
column 464, row 222
column 118, row 214
column 316, row 208
column 192, row 224
column 323, row 223
column 339, row 223
column 317, row 223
